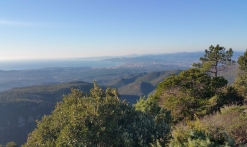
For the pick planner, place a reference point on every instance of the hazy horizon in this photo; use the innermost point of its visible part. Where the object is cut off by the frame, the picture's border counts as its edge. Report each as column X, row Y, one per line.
column 97, row 58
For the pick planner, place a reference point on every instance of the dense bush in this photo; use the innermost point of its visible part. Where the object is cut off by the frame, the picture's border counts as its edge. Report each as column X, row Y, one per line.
column 191, row 93
column 9, row 144
column 232, row 120
column 194, row 134
column 241, row 80
column 97, row 119
column 241, row 85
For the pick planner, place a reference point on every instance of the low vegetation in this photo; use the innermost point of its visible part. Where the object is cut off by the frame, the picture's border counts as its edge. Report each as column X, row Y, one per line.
column 97, row 119
column 9, row 144
column 231, row 120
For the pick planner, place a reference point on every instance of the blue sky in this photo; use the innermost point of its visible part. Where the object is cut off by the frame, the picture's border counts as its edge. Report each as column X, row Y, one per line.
column 31, row 29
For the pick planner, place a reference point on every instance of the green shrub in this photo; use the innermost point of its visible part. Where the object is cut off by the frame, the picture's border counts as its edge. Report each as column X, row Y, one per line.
column 191, row 93
column 194, row 134
column 97, row 119
column 232, row 120
column 11, row 144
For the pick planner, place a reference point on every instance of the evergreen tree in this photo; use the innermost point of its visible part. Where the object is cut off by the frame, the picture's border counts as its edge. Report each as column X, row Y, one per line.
column 191, row 93
column 215, row 59
column 242, row 61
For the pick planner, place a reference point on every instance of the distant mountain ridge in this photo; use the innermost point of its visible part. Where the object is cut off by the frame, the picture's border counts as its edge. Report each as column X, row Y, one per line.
column 166, row 56
column 103, row 75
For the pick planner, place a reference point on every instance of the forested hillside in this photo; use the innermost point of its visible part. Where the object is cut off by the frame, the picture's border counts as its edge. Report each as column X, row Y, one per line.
column 136, row 85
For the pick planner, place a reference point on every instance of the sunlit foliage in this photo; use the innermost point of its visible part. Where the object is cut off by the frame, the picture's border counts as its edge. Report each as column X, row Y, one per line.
column 97, row 119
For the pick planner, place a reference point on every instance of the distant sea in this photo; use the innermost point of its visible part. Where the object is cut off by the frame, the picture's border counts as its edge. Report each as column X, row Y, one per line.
column 38, row 64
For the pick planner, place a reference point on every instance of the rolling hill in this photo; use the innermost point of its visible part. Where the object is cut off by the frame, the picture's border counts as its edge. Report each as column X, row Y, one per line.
column 132, row 87
column 137, row 88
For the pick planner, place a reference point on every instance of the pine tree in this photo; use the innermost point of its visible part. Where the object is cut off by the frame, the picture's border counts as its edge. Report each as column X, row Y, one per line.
column 215, row 59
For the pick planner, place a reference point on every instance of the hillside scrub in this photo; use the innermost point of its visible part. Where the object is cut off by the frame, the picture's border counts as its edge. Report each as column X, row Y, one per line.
column 232, row 120
column 9, row 144
column 195, row 134
column 202, row 105
column 194, row 93
column 241, row 81
column 97, row 119
column 199, row 91
column 225, row 128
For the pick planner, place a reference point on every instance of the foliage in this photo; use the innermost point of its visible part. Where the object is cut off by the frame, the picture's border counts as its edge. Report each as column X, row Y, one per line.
column 242, row 61
column 28, row 104
column 190, row 93
column 151, row 107
column 156, row 144
column 232, row 120
column 194, row 134
column 241, row 85
column 241, row 80
column 97, row 119
column 227, row 96
column 215, row 59
column 38, row 100
column 11, row 144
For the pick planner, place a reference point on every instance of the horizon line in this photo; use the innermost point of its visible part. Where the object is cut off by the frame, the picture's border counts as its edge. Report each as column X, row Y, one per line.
column 103, row 57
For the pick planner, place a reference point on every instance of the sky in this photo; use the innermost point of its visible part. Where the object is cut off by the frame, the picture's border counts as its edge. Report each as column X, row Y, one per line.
column 42, row 29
